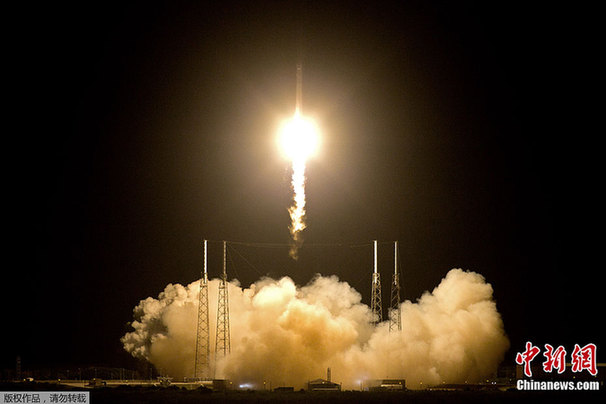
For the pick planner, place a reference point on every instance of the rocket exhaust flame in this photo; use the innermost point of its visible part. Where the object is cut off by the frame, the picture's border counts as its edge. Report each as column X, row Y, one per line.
column 299, row 140
column 297, row 210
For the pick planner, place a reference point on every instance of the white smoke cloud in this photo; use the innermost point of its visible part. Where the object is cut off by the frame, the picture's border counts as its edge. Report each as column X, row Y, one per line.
column 289, row 335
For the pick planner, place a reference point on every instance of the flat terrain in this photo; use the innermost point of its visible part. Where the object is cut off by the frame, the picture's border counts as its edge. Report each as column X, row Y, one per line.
column 157, row 395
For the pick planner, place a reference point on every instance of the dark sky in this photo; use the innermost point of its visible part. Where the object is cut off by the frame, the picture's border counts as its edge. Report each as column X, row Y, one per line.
column 467, row 132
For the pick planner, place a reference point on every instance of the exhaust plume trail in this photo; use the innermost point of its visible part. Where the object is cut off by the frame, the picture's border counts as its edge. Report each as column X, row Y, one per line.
column 297, row 210
column 298, row 139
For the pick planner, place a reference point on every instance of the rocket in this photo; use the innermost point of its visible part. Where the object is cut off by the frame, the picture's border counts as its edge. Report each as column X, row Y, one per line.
column 299, row 100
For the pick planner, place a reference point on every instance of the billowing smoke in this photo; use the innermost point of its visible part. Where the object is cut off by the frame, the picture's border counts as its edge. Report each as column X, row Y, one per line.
column 287, row 335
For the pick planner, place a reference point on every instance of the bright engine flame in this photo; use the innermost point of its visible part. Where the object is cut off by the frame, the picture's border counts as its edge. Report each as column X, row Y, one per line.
column 299, row 140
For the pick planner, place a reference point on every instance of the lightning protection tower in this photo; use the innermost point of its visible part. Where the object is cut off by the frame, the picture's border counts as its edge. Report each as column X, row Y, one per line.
column 395, row 315
column 375, row 301
column 222, row 344
column 202, row 363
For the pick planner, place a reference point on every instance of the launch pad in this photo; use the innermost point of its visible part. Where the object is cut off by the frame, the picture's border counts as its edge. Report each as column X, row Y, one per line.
column 205, row 368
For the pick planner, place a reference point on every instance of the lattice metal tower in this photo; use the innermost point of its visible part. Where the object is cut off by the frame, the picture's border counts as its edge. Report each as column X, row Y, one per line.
column 202, row 363
column 395, row 314
column 375, row 300
column 222, row 343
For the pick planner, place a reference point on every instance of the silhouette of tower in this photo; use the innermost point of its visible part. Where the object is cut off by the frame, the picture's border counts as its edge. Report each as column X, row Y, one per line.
column 375, row 301
column 222, row 344
column 395, row 315
column 202, row 363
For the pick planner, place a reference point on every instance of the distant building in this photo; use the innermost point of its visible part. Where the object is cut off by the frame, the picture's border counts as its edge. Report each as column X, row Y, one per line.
column 212, row 384
column 322, row 385
column 385, row 385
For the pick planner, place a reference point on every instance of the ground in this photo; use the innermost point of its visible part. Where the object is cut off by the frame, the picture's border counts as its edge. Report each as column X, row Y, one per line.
column 175, row 395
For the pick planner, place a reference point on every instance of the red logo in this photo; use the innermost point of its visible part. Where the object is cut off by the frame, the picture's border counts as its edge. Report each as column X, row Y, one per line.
column 555, row 359
column 584, row 359
column 526, row 357
column 581, row 359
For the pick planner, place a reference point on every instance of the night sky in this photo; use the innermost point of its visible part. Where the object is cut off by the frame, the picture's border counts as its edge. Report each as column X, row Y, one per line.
column 467, row 132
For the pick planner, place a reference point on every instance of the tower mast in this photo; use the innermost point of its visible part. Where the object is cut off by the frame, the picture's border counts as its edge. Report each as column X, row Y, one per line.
column 299, row 100
column 395, row 314
column 202, row 362
column 375, row 301
column 222, row 342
